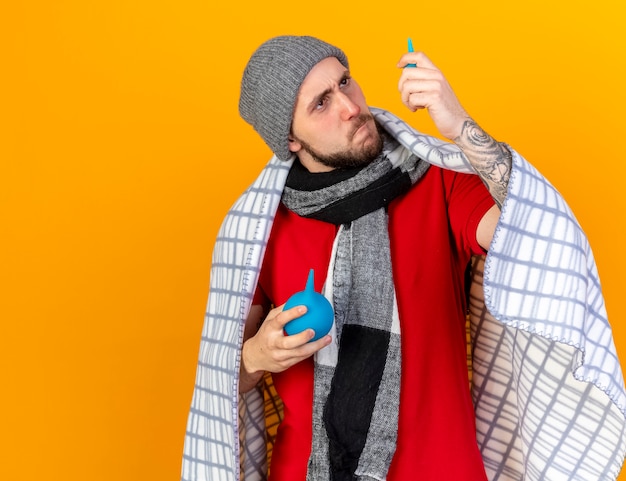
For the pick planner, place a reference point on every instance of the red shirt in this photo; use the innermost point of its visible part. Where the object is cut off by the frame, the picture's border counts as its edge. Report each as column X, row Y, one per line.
column 432, row 232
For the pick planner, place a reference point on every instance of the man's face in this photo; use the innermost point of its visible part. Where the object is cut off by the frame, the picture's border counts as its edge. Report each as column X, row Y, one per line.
column 332, row 126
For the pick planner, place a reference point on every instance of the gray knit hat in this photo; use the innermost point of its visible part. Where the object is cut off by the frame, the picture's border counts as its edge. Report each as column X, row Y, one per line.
column 271, row 82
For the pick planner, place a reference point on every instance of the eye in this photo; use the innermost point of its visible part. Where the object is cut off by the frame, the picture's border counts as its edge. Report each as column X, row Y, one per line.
column 321, row 103
column 345, row 81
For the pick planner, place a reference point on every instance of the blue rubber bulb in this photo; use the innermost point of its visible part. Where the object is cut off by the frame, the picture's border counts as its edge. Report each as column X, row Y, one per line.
column 319, row 315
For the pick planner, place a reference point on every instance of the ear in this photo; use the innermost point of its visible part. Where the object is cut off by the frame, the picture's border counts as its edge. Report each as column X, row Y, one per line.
column 294, row 145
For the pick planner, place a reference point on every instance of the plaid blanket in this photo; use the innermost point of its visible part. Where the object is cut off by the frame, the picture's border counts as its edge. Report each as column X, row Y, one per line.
column 548, row 389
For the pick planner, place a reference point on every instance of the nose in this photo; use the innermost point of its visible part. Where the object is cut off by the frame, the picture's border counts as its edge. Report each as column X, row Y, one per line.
column 349, row 109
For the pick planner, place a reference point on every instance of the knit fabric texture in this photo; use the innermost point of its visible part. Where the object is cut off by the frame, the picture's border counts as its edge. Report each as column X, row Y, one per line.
column 271, row 81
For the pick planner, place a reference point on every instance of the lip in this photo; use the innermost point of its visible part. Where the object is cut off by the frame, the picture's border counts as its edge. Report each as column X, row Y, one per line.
column 360, row 128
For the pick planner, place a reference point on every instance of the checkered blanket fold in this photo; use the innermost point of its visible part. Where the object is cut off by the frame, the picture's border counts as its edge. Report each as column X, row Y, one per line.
column 547, row 384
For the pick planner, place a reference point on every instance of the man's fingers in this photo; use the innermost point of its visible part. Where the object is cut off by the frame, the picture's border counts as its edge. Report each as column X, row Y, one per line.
column 423, row 93
column 296, row 340
column 280, row 317
column 419, row 59
column 299, row 346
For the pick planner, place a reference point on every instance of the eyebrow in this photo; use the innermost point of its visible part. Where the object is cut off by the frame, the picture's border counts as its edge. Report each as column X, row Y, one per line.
column 321, row 95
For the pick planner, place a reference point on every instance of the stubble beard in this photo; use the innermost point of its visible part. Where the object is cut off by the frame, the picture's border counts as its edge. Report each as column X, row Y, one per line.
column 349, row 158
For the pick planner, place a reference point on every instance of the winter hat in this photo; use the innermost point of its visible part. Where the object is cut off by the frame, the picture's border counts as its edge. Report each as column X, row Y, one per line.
column 271, row 82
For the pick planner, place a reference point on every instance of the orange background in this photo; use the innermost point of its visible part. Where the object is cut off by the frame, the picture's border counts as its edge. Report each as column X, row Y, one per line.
column 121, row 149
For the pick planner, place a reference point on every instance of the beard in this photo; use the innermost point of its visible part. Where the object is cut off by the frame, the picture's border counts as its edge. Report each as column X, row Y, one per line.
column 349, row 158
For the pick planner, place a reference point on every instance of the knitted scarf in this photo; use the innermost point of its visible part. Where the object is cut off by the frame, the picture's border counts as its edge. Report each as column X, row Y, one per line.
column 357, row 377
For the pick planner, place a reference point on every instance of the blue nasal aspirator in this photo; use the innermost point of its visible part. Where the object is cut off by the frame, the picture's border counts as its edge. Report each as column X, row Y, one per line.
column 411, row 50
column 319, row 315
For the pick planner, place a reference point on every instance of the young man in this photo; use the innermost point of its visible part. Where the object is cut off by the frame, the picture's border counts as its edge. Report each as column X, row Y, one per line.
column 384, row 395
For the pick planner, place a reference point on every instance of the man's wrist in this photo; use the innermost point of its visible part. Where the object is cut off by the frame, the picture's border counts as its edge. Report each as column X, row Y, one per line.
column 248, row 375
